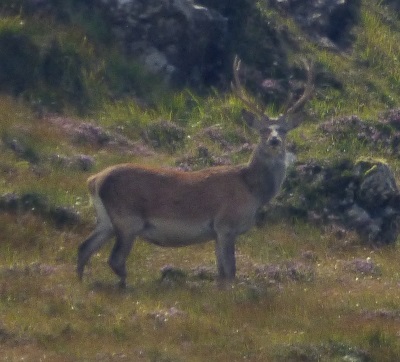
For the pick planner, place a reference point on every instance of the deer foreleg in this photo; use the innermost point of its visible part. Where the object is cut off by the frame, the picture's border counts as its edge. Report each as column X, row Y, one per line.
column 225, row 253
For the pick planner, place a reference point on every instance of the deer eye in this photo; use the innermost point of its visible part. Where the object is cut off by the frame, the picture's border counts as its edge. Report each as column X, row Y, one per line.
column 282, row 131
column 265, row 131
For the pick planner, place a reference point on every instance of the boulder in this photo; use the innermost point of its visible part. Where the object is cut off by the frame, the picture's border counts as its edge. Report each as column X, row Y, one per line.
column 360, row 196
column 183, row 41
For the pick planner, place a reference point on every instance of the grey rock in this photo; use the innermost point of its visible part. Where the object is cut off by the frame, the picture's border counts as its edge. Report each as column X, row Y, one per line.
column 182, row 41
column 378, row 184
column 360, row 196
column 328, row 21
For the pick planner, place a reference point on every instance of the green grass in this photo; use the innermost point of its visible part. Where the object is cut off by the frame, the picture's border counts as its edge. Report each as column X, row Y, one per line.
column 11, row 23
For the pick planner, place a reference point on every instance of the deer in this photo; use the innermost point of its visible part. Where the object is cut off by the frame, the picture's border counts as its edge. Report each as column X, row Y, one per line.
column 174, row 208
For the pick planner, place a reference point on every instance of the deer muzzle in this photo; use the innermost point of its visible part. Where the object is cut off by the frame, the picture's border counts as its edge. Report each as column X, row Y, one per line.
column 275, row 141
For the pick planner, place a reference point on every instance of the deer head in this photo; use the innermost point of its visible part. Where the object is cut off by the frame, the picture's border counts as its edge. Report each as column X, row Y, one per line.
column 289, row 119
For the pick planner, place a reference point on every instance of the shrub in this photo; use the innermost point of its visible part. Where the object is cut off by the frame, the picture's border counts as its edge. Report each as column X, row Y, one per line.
column 18, row 62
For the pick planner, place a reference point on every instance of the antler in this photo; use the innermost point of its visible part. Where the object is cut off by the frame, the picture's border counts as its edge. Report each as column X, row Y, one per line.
column 307, row 93
column 240, row 93
column 290, row 122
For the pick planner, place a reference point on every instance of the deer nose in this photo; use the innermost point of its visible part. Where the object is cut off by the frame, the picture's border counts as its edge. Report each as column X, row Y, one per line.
column 274, row 141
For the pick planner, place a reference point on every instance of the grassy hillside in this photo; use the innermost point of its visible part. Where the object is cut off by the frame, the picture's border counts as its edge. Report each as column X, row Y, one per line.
column 304, row 293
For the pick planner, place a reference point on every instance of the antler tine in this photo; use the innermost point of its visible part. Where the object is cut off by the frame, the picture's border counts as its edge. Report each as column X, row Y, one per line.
column 238, row 89
column 308, row 89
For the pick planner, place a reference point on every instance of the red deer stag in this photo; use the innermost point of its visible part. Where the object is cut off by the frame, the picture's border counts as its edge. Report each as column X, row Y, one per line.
column 174, row 208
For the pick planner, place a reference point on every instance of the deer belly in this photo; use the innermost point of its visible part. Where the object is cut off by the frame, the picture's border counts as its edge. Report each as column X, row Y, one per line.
column 176, row 232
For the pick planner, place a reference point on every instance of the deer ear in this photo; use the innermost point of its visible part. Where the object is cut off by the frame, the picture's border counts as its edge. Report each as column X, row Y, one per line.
column 253, row 121
column 249, row 117
column 292, row 121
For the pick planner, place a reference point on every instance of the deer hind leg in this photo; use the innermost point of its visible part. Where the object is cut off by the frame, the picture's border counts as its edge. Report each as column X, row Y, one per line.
column 119, row 254
column 92, row 244
column 102, row 233
column 225, row 253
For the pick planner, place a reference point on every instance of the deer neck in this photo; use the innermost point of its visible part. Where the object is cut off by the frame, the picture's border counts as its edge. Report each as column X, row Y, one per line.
column 265, row 173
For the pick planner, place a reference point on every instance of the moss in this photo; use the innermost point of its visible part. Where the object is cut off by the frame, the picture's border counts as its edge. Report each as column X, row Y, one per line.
column 368, row 165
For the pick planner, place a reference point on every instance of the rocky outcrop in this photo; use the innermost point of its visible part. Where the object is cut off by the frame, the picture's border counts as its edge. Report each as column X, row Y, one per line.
column 361, row 196
column 191, row 44
column 328, row 21
column 184, row 41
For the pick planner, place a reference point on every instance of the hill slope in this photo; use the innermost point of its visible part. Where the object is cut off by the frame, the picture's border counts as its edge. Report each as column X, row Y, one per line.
column 76, row 105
